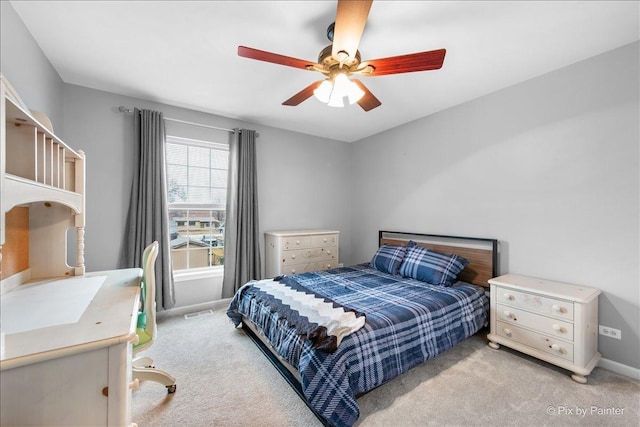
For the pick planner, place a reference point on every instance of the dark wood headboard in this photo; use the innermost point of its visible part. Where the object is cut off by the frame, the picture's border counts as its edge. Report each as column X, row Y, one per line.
column 481, row 253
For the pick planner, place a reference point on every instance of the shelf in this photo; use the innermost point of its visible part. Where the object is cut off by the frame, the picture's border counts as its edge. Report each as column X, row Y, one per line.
column 20, row 191
column 17, row 116
column 35, row 153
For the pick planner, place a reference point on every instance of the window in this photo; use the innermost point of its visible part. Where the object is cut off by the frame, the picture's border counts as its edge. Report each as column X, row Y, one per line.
column 197, row 195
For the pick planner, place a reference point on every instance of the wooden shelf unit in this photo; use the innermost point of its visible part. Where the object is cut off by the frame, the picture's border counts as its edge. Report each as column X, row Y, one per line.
column 42, row 179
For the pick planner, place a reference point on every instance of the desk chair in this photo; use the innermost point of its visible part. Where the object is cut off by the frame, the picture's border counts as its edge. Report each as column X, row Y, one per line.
column 147, row 329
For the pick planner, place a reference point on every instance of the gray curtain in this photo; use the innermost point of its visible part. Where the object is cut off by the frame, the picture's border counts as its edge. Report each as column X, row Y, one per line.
column 148, row 218
column 241, row 239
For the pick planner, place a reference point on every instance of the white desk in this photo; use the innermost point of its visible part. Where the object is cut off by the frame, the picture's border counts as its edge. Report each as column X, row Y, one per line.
column 75, row 373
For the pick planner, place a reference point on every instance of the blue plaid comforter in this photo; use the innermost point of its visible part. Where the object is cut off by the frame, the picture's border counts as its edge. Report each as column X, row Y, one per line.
column 407, row 323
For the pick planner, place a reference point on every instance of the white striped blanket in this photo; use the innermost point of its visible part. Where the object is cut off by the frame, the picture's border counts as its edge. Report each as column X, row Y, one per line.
column 324, row 322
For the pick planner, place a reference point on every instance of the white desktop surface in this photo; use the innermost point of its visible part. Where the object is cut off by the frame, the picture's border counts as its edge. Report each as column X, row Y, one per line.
column 110, row 317
column 48, row 303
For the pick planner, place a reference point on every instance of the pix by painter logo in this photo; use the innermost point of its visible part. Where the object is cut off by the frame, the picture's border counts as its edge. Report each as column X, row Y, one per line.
column 582, row 411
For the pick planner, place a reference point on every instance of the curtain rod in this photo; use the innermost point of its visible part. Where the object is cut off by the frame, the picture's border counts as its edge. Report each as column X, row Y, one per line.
column 129, row 110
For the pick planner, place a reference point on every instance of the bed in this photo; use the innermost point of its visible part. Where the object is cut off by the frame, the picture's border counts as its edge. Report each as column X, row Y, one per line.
column 337, row 334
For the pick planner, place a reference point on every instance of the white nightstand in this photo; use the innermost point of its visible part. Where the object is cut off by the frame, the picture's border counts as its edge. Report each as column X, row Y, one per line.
column 552, row 321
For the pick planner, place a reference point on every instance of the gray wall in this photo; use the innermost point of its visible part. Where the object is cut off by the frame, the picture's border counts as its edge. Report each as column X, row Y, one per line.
column 549, row 167
column 301, row 178
column 28, row 70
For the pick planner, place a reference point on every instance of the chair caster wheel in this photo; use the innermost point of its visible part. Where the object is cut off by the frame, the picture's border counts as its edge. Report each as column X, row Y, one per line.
column 171, row 388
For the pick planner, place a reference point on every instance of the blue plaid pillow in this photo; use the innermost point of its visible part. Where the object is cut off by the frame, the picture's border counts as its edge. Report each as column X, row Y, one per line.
column 388, row 258
column 432, row 267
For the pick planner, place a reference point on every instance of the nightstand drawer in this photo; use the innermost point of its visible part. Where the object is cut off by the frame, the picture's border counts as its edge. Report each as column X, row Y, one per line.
column 535, row 340
column 536, row 303
column 546, row 325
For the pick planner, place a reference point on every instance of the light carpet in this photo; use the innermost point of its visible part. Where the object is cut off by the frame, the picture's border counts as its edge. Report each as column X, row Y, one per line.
column 224, row 380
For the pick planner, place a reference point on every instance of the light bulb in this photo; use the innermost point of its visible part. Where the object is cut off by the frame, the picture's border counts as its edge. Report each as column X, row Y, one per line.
column 354, row 93
column 335, row 100
column 341, row 85
column 323, row 92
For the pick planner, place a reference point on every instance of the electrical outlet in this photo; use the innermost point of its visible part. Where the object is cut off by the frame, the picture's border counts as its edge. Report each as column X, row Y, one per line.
column 610, row 332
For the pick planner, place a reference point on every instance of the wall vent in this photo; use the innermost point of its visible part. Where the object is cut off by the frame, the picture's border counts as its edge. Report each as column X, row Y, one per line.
column 198, row 314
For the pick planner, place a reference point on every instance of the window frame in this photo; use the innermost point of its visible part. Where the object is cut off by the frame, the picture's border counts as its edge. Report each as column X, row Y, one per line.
column 196, row 272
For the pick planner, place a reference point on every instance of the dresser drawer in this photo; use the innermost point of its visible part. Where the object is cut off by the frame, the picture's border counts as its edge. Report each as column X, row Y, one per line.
column 324, row 240
column 539, row 304
column 296, row 242
column 308, row 255
column 312, row 266
column 535, row 340
column 546, row 325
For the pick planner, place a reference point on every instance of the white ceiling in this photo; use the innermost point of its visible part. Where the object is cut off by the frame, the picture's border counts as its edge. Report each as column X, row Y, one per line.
column 184, row 53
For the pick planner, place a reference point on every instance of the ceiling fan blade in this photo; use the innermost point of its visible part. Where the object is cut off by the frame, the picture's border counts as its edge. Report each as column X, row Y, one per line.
column 423, row 61
column 351, row 17
column 368, row 100
column 261, row 55
column 303, row 95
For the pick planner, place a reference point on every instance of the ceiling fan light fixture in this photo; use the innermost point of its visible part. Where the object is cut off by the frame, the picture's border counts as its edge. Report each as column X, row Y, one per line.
column 341, row 85
column 333, row 91
column 354, row 93
column 323, row 92
column 335, row 100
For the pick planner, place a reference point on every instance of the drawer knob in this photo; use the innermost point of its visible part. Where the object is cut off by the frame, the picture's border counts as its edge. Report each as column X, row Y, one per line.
column 558, row 309
column 507, row 332
column 293, row 257
column 555, row 347
column 508, row 297
column 328, row 252
column 509, row 314
column 297, row 242
column 325, row 240
column 558, row 328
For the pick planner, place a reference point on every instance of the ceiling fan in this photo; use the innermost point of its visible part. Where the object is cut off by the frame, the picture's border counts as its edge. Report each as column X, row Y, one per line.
column 341, row 59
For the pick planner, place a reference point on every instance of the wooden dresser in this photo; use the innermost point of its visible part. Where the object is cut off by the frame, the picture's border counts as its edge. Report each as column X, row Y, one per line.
column 299, row 251
column 552, row 321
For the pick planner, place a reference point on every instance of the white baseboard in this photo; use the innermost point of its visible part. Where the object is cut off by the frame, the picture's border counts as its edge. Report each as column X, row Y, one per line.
column 179, row 311
column 619, row 368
